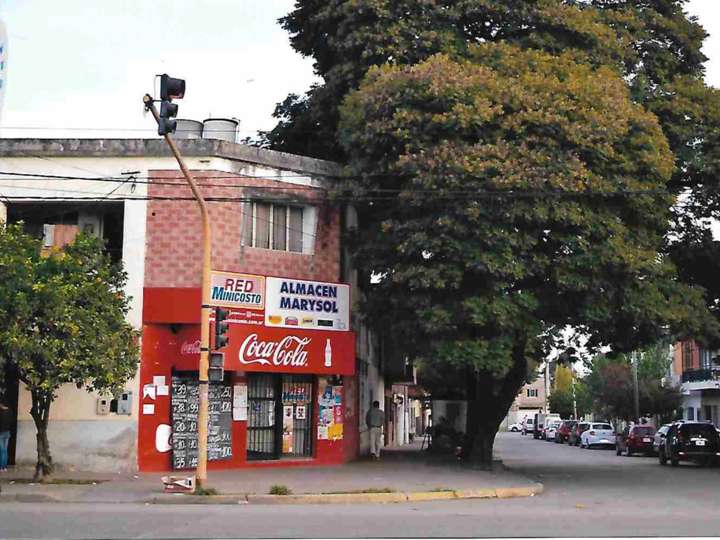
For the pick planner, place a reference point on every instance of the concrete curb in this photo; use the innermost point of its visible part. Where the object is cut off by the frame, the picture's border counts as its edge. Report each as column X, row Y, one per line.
column 355, row 498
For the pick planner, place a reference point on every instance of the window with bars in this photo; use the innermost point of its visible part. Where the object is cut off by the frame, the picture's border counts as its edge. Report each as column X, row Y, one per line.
column 273, row 226
column 532, row 392
column 687, row 354
column 705, row 359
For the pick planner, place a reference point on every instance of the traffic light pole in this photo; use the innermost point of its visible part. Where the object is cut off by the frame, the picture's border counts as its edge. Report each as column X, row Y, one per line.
column 201, row 472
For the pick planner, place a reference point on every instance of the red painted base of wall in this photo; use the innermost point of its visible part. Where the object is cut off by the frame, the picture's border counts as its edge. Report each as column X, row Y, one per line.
column 162, row 353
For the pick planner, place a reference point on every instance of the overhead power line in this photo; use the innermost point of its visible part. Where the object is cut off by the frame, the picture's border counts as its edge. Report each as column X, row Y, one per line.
column 388, row 193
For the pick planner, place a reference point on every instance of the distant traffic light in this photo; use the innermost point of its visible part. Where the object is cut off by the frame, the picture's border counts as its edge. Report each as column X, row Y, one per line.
column 221, row 328
column 170, row 88
column 216, row 367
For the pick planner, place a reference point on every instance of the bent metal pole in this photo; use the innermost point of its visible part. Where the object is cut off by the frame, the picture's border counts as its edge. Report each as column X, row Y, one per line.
column 201, row 472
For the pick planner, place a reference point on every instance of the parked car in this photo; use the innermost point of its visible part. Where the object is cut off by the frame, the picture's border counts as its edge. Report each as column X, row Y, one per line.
column 576, row 432
column 660, row 435
column 563, row 432
column 690, row 441
column 598, row 434
column 551, row 430
column 528, row 426
column 635, row 440
column 515, row 427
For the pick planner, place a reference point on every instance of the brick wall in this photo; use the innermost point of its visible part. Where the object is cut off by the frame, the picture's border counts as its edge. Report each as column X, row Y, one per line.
column 174, row 232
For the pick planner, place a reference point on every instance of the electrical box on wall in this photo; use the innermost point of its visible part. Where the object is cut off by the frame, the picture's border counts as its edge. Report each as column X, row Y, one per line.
column 103, row 406
column 124, row 403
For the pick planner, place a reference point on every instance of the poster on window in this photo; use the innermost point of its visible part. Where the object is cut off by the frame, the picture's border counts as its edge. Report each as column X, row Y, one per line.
column 288, row 426
column 330, row 413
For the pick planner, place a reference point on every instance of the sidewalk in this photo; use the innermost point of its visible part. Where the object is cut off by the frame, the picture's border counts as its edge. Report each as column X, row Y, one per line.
column 402, row 474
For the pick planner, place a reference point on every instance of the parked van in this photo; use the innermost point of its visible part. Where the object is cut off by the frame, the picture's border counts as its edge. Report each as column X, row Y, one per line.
column 527, row 425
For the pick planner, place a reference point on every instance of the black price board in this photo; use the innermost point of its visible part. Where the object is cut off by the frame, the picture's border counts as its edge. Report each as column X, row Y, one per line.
column 185, row 404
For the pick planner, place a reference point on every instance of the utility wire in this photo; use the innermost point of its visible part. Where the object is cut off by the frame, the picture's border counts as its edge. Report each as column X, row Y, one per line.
column 442, row 193
column 155, row 179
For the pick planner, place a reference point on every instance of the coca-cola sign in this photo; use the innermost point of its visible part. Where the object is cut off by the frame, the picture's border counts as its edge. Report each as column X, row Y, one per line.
column 279, row 350
column 289, row 351
column 190, row 347
column 283, row 350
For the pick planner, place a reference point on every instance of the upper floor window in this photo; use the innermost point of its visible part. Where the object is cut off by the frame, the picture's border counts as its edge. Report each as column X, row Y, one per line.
column 705, row 359
column 273, row 226
column 687, row 354
column 532, row 392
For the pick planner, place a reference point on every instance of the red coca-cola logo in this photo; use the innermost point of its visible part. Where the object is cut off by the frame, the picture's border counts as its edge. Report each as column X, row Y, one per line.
column 289, row 351
column 190, row 347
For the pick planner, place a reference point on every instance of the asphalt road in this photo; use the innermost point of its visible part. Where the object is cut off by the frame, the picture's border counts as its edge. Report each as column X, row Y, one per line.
column 587, row 493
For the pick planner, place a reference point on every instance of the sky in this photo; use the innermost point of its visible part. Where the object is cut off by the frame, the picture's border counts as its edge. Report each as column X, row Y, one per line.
column 79, row 68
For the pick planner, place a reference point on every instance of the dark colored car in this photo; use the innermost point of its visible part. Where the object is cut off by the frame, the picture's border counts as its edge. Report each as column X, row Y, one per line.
column 635, row 440
column 563, row 432
column 580, row 427
column 690, row 441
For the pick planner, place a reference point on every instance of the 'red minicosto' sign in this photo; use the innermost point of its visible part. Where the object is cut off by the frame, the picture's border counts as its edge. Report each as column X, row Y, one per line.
column 282, row 350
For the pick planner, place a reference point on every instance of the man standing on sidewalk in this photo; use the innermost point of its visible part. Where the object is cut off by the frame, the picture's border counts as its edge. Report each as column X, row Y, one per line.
column 375, row 419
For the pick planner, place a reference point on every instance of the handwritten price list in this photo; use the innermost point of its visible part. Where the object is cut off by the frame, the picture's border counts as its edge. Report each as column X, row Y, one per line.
column 185, row 408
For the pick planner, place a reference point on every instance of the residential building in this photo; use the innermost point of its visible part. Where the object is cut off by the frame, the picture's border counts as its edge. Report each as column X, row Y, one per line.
column 530, row 399
column 697, row 371
column 297, row 383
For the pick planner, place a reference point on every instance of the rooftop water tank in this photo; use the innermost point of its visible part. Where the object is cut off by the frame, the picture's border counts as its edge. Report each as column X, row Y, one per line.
column 188, row 129
column 220, row 128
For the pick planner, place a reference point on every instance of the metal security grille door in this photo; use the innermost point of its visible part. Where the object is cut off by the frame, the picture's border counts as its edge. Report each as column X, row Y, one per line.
column 297, row 392
column 262, row 442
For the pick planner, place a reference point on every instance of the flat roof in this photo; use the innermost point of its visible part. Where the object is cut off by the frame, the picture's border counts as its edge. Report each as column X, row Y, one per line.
column 158, row 148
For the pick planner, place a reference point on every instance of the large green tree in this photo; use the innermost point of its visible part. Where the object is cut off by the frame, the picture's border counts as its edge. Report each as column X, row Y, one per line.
column 651, row 47
column 506, row 196
column 62, row 320
column 654, row 44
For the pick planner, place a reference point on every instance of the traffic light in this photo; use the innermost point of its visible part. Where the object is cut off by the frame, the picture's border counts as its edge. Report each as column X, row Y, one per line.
column 216, row 367
column 170, row 88
column 221, row 327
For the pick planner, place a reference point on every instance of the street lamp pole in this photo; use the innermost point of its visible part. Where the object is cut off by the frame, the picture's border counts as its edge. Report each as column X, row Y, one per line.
column 201, row 471
column 636, row 389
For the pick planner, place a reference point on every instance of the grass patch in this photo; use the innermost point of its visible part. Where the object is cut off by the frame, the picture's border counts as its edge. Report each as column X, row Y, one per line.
column 56, row 481
column 280, row 489
column 206, row 491
column 367, row 490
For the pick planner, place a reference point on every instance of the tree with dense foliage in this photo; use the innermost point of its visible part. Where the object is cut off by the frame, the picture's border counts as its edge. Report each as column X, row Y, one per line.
column 509, row 195
column 611, row 384
column 507, row 191
column 568, row 394
column 62, row 320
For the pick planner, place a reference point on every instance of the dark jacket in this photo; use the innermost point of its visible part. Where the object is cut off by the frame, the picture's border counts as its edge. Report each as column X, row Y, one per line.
column 6, row 419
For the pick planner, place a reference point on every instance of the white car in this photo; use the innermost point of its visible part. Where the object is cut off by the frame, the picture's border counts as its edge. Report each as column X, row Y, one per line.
column 598, row 434
column 515, row 427
column 551, row 429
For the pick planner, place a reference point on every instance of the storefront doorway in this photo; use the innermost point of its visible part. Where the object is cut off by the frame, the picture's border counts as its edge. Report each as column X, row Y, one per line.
column 280, row 414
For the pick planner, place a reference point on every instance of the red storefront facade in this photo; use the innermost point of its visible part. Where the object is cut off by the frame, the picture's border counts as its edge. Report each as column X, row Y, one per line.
column 290, row 393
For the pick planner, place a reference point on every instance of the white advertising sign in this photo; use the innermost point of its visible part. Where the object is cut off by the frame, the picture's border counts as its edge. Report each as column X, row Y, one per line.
column 312, row 305
column 243, row 291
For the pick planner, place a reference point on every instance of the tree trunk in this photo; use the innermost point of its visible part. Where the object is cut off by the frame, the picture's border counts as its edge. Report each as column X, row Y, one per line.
column 489, row 399
column 40, row 412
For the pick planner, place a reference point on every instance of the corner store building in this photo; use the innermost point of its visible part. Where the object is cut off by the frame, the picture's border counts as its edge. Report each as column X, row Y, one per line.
column 157, row 241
